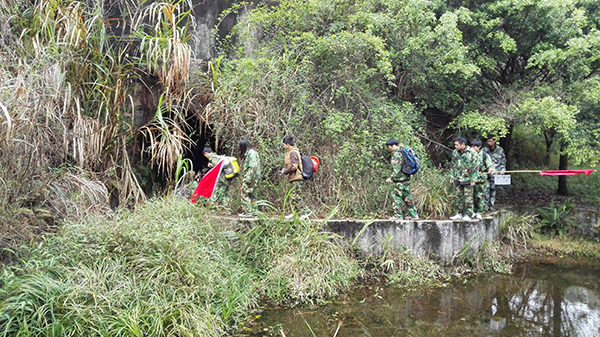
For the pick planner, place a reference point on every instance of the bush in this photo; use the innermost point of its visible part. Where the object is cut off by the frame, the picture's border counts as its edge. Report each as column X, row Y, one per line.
column 555, row 220
column 165, row 269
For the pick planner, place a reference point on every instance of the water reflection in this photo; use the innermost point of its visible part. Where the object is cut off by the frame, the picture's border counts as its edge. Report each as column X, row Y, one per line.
column 546, row 298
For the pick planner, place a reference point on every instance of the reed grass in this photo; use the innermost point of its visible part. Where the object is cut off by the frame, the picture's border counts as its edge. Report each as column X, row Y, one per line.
column 166, row 269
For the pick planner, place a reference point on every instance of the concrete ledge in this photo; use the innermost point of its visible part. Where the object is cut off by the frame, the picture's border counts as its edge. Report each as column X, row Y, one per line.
column 443, row 240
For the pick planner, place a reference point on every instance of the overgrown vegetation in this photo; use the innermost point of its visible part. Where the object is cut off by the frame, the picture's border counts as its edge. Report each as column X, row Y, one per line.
column 95, row 104
column 165, row 269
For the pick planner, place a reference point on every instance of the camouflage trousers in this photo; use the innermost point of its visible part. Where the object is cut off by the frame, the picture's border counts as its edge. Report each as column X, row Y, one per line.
column 220, row 196
column 479, row 197
column 402, row 195
column 465, row 199
column 295, row 198
column 249, row 196
column 490, row 194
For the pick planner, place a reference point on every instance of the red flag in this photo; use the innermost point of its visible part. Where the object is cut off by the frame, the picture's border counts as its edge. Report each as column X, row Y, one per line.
column 566, row 172
column 207, row 184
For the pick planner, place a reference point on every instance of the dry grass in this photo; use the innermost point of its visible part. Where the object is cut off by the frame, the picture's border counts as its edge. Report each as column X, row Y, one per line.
column 69, row 133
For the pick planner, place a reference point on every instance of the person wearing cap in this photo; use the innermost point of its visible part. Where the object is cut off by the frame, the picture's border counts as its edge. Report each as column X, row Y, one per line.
column 401, row 183
column 499, row 160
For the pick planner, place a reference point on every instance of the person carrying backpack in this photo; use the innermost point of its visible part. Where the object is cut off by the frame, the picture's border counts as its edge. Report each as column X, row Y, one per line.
column 293, row 170
column 401, row 181
column 221, row 195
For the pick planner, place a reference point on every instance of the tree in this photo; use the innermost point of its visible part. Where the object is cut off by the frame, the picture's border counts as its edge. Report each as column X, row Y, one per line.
column 534, row 57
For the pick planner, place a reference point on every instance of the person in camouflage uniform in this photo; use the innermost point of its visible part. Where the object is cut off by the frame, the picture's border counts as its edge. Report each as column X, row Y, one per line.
column 293, row 170
column 485, row 168
column 251, row 172
column 499, row 160
column 464, row 172
column 401, row 183
column 220, row 196
column 186, row 187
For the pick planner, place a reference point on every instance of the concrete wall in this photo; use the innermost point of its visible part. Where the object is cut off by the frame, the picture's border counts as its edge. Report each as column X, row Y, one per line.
column 587, row 222
column 443, row 240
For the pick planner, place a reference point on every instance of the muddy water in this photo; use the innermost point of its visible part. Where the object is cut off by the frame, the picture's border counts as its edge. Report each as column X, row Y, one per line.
column 541, row 298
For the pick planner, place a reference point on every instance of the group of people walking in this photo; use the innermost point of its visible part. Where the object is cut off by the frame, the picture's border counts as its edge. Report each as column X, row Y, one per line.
column 251, row 173
column 472, row 169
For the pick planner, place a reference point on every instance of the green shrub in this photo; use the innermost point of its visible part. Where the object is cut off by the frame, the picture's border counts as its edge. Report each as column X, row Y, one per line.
column 555, row 220
column 166, row 269
column 297, row 260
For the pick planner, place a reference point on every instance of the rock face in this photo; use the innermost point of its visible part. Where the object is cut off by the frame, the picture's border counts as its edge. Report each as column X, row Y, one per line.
column 206, row 13
column 443, row 240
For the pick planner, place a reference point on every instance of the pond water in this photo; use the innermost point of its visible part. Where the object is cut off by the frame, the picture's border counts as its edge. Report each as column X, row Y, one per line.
column 549, row 297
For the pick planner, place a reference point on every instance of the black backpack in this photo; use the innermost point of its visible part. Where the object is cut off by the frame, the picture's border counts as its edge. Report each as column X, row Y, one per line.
column 410, row 163
column 307, row 167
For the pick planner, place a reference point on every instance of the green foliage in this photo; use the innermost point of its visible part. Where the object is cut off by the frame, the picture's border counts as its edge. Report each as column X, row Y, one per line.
column 516, row 231
column 548, row 113
column 158, row 271
column 483, row 125
column 555, row 220
column 166, row 269
column 404, row 270
column 296, row 260
column 432, row 194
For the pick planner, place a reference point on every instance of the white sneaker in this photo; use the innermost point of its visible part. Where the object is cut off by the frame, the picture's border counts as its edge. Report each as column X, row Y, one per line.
column 466, row 218
column 477, row 216
column 289, row 216
column 458, row 216
column 305, row 216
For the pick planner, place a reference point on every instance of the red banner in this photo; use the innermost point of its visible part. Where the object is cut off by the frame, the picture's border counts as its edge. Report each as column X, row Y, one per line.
column 565, row 172
column 207, row 184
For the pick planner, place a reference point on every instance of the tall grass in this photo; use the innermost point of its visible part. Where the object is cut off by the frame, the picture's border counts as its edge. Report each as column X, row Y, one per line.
column 76, row 106
column 433, row 194
column 166, row 269
column 160, row 271
column 298, row 261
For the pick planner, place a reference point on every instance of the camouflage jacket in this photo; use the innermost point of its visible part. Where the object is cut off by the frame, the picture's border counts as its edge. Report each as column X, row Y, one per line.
column 485, row 167
column 251, row 166
column 465, row 166
column 213, row 160
column 498, row 157
column 397, row 161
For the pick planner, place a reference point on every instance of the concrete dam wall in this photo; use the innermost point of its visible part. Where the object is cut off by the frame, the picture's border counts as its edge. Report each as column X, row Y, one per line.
column 443, row 240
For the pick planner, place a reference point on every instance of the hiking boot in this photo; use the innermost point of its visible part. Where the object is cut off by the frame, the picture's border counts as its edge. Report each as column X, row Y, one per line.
column 394, row 218
column 458, row 216
column 466, row 218
column 289, row 216
column 477, row 216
